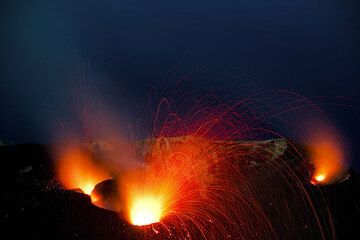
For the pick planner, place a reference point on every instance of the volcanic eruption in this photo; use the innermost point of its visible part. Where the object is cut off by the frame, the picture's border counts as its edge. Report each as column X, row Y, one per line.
column 200, row 176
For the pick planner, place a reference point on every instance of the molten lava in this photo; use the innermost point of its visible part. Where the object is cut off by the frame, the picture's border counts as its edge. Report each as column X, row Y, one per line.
column 145, row 211
column 320, row 177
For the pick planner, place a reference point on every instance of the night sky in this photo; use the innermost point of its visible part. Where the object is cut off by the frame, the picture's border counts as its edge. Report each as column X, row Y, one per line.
column 128, row 46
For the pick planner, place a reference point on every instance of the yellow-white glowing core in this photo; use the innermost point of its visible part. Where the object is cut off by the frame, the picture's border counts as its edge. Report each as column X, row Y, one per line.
column 88, row 188
column 145, row 211
column 320, row 177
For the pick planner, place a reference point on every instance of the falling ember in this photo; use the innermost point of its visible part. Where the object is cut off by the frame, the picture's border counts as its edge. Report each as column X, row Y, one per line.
column 77, row 169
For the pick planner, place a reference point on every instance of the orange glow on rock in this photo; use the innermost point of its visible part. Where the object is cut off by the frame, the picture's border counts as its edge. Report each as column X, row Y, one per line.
column 77, row 169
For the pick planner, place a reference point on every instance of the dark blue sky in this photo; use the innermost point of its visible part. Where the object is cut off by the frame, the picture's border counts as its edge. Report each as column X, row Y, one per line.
column 306, row 46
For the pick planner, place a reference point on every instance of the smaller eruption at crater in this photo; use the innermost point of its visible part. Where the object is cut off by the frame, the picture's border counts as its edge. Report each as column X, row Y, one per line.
column 77, row 169
column 328, row 155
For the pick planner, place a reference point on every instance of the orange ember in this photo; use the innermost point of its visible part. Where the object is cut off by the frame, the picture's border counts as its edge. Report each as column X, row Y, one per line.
column 76, row 169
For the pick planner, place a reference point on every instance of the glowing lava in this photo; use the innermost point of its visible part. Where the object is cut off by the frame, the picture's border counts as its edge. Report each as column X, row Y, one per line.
column 87, row 188
column 193, row 175
column 76, row 169
column 328, row 155
column 173, row 177
column 183, row 184
column 145, row 211
column 320, row 177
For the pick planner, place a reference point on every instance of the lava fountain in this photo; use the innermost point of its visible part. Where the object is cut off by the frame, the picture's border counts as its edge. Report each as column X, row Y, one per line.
column 191, row 181
column 173, row 179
